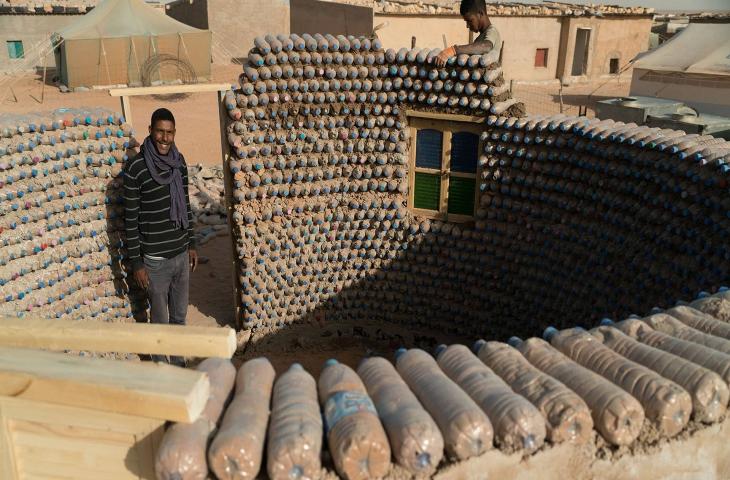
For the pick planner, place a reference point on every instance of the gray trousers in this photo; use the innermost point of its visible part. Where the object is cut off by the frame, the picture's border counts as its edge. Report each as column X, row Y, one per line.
column 168, row 293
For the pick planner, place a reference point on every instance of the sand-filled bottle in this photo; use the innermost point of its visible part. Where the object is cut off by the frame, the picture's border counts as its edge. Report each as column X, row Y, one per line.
column 667, row 405
column 356, row 438
column 182, row 453
column 294, row 441
column 670, row 325
column 237, row 449
column 708, row 391
column 465, row 427
column 617, row 416
column 711, row 359
column 700, row 321
column 568, row 417
column 518, row 425
column 414, row 437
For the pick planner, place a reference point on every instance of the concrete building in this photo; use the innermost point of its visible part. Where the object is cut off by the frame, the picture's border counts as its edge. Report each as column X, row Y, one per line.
column 25, row 33
column 235, row 23
column 541, row 42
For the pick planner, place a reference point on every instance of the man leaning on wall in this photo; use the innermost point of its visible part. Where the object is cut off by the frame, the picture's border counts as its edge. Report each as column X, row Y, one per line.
column 474, row 13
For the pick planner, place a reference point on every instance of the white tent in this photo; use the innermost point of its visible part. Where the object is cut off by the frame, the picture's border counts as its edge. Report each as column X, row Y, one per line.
column 127, row 41
column 701, row 48
column 693, row 67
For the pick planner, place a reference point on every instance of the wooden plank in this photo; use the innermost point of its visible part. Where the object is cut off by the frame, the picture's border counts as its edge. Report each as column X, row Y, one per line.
column 126, row 109
column 445, row 116
column 97, row 336
column 53, row 441
column 170, row 89
column 134, row 388
column 228, row 195
column 8, row 467
column 412, row 168
column 445, row 168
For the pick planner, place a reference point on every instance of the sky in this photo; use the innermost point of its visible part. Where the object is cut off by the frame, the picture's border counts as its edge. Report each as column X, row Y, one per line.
column 684, row 5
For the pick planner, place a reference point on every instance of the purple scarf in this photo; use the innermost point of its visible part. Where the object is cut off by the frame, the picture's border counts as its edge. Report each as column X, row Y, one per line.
column 165, row 170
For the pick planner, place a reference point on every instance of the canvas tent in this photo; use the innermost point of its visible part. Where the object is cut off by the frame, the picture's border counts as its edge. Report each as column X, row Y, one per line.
column 693, row 67
column 128, row 42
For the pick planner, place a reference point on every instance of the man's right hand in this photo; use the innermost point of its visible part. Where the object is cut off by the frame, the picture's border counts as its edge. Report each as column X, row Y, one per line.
column 141, row 277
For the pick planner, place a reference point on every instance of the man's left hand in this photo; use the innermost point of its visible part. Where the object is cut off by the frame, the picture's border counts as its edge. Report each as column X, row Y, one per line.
column 441, row 59
column 193, row 254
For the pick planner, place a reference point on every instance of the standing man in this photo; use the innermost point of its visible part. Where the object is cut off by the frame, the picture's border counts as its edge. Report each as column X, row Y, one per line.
column 474, row 13
column 159, row 223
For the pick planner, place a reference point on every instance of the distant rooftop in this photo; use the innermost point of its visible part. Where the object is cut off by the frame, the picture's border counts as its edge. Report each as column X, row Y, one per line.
column 451, row 7
column 60, row 7
column 407, row 7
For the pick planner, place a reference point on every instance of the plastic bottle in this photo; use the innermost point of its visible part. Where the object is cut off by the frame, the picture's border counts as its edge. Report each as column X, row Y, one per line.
column 708, row 391
column 237, row 449
column 465, row 427
column 617, row 416
column 518, row 425
column 182, row 452
column 666, row 404
column 295, row 431
column 357, row 441
column 414, row 437
column 568, row 417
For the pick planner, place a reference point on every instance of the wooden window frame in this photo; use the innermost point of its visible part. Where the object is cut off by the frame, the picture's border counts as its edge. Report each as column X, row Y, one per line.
column 447, row 124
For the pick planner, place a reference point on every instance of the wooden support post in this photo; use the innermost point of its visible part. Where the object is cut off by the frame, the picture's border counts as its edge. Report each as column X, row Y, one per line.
column 228, row 188
column 446, row 45
column 413, row 42
column 97, row 336
column 560, row 96
column 43, row 85
column 126, row 109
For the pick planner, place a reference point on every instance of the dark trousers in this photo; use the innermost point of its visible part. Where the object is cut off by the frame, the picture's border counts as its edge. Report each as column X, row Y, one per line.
column 168, row 293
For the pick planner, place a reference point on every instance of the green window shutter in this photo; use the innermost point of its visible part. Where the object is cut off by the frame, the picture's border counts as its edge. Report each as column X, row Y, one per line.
column 427, row 191
column 461, row 195
column 15, row 48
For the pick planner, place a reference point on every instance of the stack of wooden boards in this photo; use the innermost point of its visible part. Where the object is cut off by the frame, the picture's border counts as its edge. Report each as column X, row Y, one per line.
column 76, row 417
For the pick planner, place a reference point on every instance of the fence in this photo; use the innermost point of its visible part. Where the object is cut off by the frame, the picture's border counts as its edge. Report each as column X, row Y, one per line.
column 553, row 98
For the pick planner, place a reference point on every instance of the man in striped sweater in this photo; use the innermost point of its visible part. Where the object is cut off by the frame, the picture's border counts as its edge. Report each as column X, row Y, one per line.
column 159, row 223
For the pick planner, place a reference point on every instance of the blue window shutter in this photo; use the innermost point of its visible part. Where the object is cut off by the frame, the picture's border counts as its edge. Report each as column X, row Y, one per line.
column 464, row 152
column 428, row 149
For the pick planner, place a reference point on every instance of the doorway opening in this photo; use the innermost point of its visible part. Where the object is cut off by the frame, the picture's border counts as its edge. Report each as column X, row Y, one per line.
column 580, row 55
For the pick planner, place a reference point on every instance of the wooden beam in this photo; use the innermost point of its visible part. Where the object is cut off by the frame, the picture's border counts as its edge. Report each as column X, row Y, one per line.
column 445, row 116
column 133, row 388
column 97, row 336
column 228, row 195
column 170, row 89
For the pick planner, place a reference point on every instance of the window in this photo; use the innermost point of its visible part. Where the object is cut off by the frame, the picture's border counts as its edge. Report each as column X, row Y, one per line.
column 541, row 57
column 444, row 155
column 613, row 66
column 15, row 49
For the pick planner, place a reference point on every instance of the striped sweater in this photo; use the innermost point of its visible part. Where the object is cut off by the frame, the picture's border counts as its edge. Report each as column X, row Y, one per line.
column 147, row 215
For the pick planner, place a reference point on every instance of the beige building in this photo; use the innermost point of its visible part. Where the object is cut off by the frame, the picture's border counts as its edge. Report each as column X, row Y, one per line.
column 25, row 33
column 541, row 42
